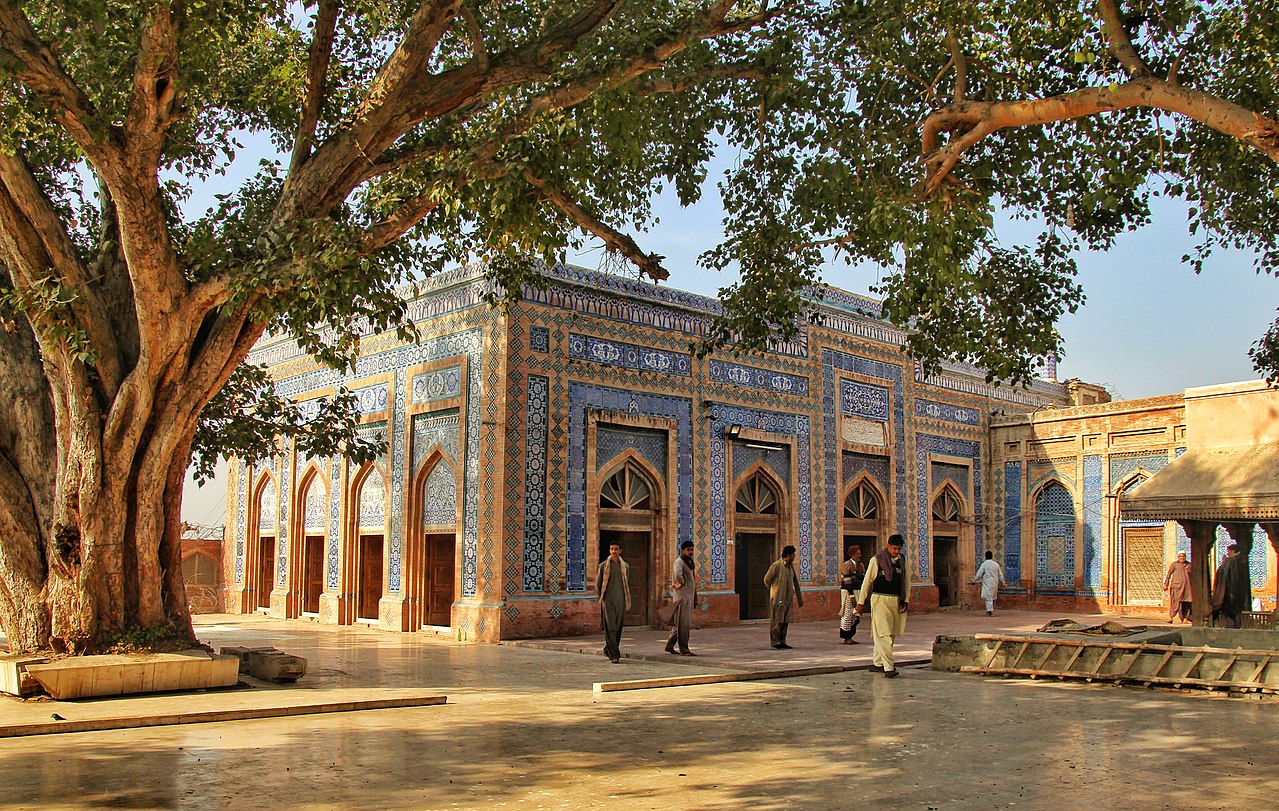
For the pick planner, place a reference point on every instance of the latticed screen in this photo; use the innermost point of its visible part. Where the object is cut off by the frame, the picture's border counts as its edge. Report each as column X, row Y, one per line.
column 1055, row 538
column 1144, row 564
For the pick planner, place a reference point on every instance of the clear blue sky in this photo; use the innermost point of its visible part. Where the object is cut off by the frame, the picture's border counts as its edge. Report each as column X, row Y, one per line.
column 1150, row 326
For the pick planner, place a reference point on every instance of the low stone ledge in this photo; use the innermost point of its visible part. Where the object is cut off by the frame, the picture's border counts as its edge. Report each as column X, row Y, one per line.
column 125, row 674
column 268, row 664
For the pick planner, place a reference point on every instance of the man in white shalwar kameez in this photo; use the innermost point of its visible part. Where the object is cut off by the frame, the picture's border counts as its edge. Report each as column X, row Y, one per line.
column 991, row 578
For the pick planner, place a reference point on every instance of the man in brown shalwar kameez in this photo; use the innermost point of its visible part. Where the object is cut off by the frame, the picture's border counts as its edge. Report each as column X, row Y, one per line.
column 612, row 584
column 1177, row 584
column 783, row 591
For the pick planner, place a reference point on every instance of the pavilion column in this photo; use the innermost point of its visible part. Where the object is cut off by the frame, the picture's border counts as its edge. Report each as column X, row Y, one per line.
column 1241, row 533
column 1203, row 534
column 1272, row 532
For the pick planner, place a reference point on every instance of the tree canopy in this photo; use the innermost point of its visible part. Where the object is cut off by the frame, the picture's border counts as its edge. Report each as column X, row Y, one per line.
column 424, row 134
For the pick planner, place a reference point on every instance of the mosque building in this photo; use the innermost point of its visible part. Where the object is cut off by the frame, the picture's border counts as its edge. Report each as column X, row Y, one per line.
column 522, row 442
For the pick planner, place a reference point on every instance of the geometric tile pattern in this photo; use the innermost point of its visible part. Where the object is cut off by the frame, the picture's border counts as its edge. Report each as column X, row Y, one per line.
column 1012, row 521
column 744, row 456
column 583, row 396
column 373, row 502
column 436, row 385
column 610, row 440
column 946, row 412
column 864, row 400
column 241, row 520
column 439, row 500
column 539, row 339
column 950, row 446
column 373, row 399
column 832, row 402
column 1054, row 538
column 437, row 429
column 628, row 356
column 956, row 474
column 749, row 377
column 1093, row 499
column 875, row 466
column 316, row 506
column 795, row 425
column 536, row 408
column 267, row 517
column 1121, row 467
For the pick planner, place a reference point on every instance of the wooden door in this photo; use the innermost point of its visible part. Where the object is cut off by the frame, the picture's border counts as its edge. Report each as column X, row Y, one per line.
column 635, row 551
column 439, row 576
column 370, row 582
column 266, row 570
column 946, row 570
column 755, row 553
column 312, row 573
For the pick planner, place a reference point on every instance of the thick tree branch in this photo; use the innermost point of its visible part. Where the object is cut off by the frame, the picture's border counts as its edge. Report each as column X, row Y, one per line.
column 317, row 71
column 476, row 35
column 971, row 121
column 1120, row 45
column 397, row 224
column 23, row 53
column 650, row 264
column 153, row 106
column 960, row 62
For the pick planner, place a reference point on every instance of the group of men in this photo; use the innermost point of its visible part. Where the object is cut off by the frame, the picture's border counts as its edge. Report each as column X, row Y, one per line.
column 884, row 583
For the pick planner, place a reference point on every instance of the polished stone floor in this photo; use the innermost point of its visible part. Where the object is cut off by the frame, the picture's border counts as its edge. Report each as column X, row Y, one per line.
column 523, row 730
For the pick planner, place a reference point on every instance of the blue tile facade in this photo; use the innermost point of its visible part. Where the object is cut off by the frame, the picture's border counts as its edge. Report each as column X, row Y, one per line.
column 926, row 444
column 1012, row 522
column 1055, row 539
column 1093, row 536
column 536, row 407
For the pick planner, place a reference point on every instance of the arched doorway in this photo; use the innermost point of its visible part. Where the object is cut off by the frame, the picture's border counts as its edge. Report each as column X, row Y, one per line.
column 260, row 571
column 430, row 559
column 947, row 513
column 313, row 532
column 1141, row 555
column 370, row 543
column 629, row 501
column 863, row 519
column 756, row 513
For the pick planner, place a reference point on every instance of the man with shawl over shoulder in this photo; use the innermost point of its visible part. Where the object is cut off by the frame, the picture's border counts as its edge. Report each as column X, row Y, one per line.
column 1232, row 588
column 684, row 595
column 1177, row 584
column 887, row 586
column 612, row 584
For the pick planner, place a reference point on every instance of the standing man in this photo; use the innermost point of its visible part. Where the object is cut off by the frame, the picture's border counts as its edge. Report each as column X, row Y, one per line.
column 1177, row 584
column 613, row 585
column 684, row 594
column 991, row 578
column 1232, row 588
column 887, row 584
column 783, row 590
column 851, row 576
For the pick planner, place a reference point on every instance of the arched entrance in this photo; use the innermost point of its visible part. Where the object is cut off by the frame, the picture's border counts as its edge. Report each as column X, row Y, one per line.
column 1141, row 555
column 370, row 543
column 864, row 518
column 629, row 501
column 947, row 512
column 309, row 584
column 432, row 550
column 260, row 568
column 756, row 513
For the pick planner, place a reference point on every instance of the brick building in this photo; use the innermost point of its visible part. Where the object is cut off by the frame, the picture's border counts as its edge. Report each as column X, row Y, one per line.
column 523, row 442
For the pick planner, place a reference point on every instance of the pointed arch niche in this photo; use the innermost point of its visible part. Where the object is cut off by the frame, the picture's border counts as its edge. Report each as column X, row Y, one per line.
column 949, row 529
column 364, row 558
column 630, row 487
column 863, row 516
column 760, row 517
column 260, row 548
column 1138, row 559
column 1054, row 537
column 309, row 534
column 431, row 542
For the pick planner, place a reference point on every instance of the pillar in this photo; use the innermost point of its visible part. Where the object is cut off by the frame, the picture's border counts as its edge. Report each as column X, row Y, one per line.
column 1203, row 534
column 1272, row 532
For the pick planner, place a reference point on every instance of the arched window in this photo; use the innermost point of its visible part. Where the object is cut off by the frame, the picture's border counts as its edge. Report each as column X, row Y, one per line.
column 757, row 496
column 947, row 506
column 627, row 489
column 862, row 503
column 1055, row 538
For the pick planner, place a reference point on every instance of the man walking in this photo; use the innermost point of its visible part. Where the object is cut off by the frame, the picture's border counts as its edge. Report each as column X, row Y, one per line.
column 1177, row 584
column 684, row 594
column 991, row 578
column 783, row 590
column 613, row 585
column 1232, row 589
column 887, row 585
column 851, row 576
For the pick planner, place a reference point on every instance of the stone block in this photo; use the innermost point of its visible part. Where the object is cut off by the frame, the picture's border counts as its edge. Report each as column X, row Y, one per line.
column 267, row 664
column 14, row 679
column 124, row 674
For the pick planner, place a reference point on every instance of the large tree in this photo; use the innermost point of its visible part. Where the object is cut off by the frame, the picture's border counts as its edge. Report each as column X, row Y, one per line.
column 422, row 134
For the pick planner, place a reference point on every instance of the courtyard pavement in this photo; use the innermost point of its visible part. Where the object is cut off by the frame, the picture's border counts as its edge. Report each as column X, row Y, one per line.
column 522, row 729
